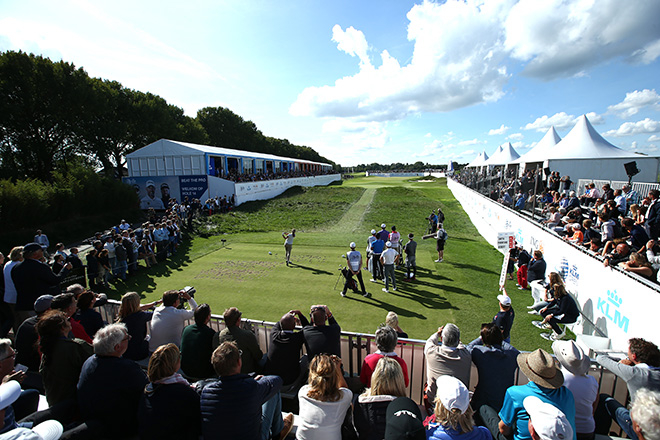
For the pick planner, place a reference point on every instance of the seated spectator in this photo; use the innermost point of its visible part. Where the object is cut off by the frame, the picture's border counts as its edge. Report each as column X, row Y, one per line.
column 321, row 337
column 506, row 315
column 241, row 406
column 324, row 400
column 620, row 254
column 573, row 201
column 445, row 355
column 135, row 317
column 496, row 364
column 27, row 352
column 386, row 340
column 546, row 422
column 108, row 382
column 369, row 411
column 452, row 418
column 561, row 310
column 251, row 354
column 636, row 234
column 168, row 319
column 549, row 295
column 169, row 407
column 652, row 256
column 577, row 236
column 285, row 346
column 58, row 263
column 636, row 214
column 196, row 346
column 575, row 366
column 536, row 268
column 62, row 358
column 26, row 401
column 404, row 420
column 545, row 382
column 645, row 414
column 637, row 263
column 392, row 319
column 67, row 304
column 90, row 319
column 606, row 227
column 554, row 219
column 589, row 232
column 641, row 369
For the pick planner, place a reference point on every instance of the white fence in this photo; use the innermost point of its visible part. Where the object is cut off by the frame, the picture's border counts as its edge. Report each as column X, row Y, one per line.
column 642, row 188
column 267, row 189
column 618, row 305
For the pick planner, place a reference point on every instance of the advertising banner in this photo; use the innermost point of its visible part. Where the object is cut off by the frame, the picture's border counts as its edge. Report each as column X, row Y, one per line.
column 267, row 189
column 613, row 304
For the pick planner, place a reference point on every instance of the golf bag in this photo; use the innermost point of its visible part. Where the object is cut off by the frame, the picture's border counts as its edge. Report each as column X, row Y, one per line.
column 349, row 277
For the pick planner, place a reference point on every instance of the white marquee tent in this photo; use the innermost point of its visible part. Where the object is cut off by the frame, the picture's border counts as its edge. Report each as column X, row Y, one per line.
column 479, row 160
column 504, row 155
column 540, row 152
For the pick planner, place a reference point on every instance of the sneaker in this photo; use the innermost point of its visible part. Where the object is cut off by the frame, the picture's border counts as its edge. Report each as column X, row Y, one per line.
column 530, row 307
column 441, row 260
column 288, row 425
column 373, row 281
column 366, row 295
column 385, row 290
column 394, row 289
column 547, row 336
column 540, row 324
column 521, row 288
column 343, row 294
column 438, row 261
column 534, row 312
column 557, row 336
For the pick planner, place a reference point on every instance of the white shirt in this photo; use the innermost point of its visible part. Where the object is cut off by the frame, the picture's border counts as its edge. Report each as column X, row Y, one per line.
column 389, row 255
column 354, row 258
column 321, row 420
column 289, row 238
column 10, row 289
column 167, row 324
column 585, row 391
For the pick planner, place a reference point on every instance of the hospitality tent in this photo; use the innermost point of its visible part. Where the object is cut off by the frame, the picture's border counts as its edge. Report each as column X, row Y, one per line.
column 585, row 154
column 504, row 155
column 536, row 156
column 479, row 160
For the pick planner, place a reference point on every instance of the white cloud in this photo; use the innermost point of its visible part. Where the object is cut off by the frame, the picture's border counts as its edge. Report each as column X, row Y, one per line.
column 632, row 128
column 653, row 138
column 474, row 141
column 564, row 37
column 498, row 131
column 515, row 136
column 561, row 121
column 634, row 101
column 462, row 49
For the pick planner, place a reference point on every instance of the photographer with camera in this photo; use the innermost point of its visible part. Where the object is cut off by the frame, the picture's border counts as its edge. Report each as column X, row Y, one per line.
column 168, row 320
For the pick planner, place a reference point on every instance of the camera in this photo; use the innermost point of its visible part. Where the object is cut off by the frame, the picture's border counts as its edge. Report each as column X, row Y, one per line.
column 190, row 290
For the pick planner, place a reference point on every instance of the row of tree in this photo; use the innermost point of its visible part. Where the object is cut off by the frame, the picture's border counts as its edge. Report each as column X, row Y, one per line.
column 416, row 167
column 53, row 114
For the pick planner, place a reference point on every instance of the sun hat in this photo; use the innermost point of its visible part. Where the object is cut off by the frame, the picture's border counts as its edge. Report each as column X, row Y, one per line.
column 403, row 420
column 9, row 392
column 549, row 422
column 505, row 300
column 452, row 393
column 571, row 357
column 352, row 245
column 540, row 368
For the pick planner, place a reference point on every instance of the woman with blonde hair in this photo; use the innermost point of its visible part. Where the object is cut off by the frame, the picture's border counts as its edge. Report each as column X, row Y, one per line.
column 553, row 279
column 392, row 320
column 370, row 410
column 452, row 418
column 324, row 400
column 135, row 316
column 637, row 263
column 170, row 406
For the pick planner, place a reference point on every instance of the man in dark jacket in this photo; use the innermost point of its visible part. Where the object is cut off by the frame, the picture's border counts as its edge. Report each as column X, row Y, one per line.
column 319, row 337
column 536, row 269
column 238, row 406
column 196, row 345
column 252, row 358
column 33, row 278
column 285, row 345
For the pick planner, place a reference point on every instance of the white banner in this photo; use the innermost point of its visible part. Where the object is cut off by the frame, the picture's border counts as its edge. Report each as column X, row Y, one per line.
column 267, row 189
column 619, row 306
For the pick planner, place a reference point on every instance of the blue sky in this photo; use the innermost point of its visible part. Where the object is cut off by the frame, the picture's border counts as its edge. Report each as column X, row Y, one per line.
column 374, row 81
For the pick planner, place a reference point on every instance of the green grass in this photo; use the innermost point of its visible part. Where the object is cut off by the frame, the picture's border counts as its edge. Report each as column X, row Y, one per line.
column 242, row 273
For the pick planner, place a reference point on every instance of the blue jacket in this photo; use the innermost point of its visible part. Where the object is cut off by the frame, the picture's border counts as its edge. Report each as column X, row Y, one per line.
column 231, row 406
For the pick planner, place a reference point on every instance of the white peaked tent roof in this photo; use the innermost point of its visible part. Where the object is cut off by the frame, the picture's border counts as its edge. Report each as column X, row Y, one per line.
column 479, row 160
column 504, row 155
column 543, row 149
column 584, row 142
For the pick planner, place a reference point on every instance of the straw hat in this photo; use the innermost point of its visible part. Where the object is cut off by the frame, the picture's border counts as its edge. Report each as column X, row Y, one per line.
column 571, row 357
column 540, row 368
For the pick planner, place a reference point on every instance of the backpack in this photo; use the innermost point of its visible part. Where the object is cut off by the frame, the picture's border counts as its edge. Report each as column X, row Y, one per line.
column 444, row 235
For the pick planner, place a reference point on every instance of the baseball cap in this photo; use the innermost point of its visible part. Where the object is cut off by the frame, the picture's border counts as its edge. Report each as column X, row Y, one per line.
column 150, row 183
column 505, row 300
column 548, row 421
column 411, row 235
column 383, row 226
column 373, row 231
column 352, row 245
column 388, row 244
column 31, row 247
column 403, row 420
column 43, row 303
column 453, row 393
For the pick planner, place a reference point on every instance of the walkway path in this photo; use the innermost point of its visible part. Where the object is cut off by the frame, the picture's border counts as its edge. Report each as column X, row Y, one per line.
column 351, row 222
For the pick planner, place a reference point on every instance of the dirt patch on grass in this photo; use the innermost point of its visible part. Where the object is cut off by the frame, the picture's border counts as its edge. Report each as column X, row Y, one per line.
column 239, row 270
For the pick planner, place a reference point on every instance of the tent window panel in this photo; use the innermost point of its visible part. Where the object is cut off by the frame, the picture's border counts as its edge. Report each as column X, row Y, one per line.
column 143, row 166
column 259, row 165
column 178, row 165
column 247, row 165
column 169, row 165
column 196, row 165
column 152, row 166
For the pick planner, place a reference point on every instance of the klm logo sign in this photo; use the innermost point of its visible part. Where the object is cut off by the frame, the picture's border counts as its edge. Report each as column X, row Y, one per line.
column 610, row 308
column 563, row 268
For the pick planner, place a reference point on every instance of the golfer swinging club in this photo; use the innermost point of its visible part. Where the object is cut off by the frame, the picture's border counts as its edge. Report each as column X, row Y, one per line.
column 288, row 244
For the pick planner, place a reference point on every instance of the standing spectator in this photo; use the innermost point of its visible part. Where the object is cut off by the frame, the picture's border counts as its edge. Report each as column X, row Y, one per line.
column 62, row 358
column 376, row 251
column 445, row 355
column 9, row 300
column 92, row 267
column 523, row 266
column 386, row 340
column 107, row 382
column 169, row 407
column 370, row 409
column 652, row 222
column 504, row 318
column 395, row 239
column 641, row 369
column 145, row 251
column 110, row 245
column 135, row 317
column 251, row 354
column 496, row 363
column 121, row 259
column 575, row 366
column 32, row 279
column 410, row 250
column 319, row 337
column 27, row 352
column 239, row 406
column 196, row 345
column 285, row 346
column 324, row 400
column 452, row 418
column 389, row 258
column 74, row 259
column 105, row 269
column 42, row 239
column 168, row 319
column 354, row 260
column 288, row 244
